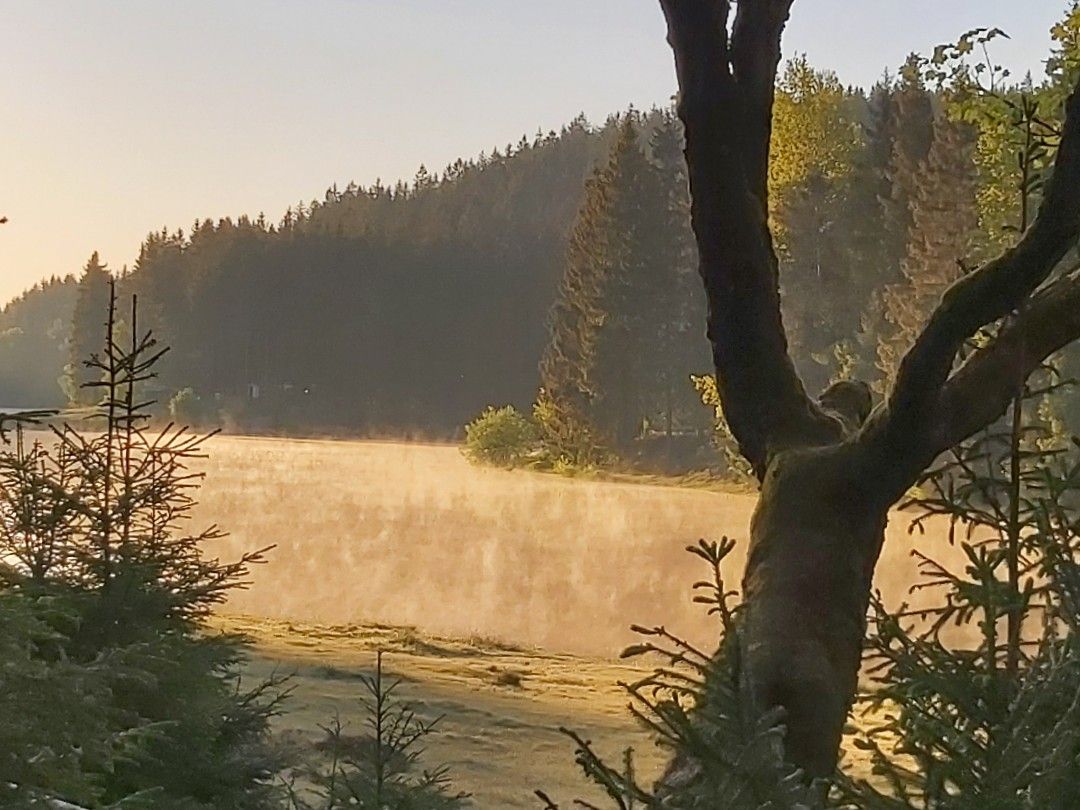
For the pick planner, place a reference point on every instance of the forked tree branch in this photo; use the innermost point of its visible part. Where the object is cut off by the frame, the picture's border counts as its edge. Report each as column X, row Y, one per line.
column 726, row 87
column 914, row 421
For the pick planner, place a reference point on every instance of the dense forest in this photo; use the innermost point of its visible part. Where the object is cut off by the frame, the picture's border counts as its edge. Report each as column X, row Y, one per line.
column 377, row 309
column 35, row 330
column 563, row 263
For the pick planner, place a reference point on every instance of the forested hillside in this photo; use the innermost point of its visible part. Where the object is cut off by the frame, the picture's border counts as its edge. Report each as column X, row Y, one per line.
column 34, row 333
column 563, row 262
column 378, row 309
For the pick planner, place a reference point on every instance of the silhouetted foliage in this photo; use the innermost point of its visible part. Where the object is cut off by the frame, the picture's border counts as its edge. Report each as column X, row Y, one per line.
column 114, row 690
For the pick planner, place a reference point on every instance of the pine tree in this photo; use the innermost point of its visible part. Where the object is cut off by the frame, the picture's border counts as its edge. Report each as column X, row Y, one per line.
column 574, row 320
column 159, row 282
column 619, row 315
column 35, row 330
column 631, row 364
column 87, row 329
column 818, row 274
column 944, row 228
column 381, row 767
column 911, row 131
column 873, row 252
column 902, row 132
column 681, row 308
column 104, row 590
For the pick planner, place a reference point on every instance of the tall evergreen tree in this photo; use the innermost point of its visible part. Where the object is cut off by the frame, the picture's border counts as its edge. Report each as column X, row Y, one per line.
column 680, row 349
column 618, row 318
column 35, row 330
column 911, row 131
column 577, row 314
column 632, row 362
column 87, row 329
column 902, row 132
column 158, row 280
column 943, row 234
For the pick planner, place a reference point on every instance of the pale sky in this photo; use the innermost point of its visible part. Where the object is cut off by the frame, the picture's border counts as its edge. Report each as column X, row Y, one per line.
column 123, row 116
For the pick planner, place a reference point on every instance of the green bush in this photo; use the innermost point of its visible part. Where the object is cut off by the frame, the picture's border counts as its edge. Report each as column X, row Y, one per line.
column 502, row 437
column 185, row 407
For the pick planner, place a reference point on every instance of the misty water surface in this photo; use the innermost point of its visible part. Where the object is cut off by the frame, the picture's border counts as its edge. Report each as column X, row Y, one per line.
column 413, row 534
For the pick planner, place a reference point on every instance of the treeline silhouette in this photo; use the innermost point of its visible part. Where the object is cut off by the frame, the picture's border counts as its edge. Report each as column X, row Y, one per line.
column 377, row 309
column 407, row 309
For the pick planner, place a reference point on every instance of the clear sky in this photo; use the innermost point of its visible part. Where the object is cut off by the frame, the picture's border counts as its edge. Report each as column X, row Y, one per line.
column 123, row 116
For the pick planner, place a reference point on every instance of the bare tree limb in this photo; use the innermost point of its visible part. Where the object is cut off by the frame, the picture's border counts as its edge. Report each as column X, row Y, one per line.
column 22, row 418
column 910, row 419
column 726, row 120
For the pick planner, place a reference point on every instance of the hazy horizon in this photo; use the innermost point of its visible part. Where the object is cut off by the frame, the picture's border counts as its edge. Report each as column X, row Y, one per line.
column 127, row 117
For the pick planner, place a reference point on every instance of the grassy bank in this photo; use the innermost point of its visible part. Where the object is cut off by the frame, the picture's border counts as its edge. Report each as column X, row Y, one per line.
column 501, row 706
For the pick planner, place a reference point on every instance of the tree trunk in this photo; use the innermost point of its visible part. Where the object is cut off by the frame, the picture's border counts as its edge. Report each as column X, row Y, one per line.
column 814, row 541
column 829, row 471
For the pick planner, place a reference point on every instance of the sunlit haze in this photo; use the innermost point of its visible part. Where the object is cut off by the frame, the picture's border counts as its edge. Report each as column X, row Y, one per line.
column 127, row 116
column 403, row 405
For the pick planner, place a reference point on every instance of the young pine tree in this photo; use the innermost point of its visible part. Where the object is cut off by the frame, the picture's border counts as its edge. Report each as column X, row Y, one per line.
column 977, row 698
column 725, row 755
column 140, row 703
column 380, row 768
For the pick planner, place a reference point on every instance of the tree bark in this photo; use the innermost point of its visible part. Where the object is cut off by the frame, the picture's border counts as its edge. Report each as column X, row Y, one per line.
column 814, row 541
column 829, row 470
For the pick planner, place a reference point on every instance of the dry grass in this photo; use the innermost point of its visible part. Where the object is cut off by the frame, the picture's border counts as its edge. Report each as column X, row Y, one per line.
column 501, row 707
